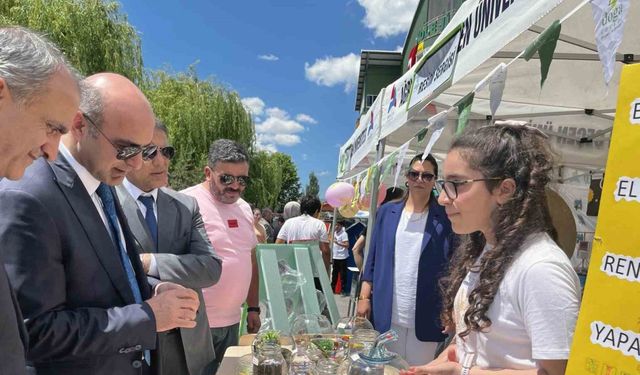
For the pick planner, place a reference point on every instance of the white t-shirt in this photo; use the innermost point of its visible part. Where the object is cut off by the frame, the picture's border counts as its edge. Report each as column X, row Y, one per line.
column 303, row 228
column 406, row 261
column 340, row 252
column 533, row 314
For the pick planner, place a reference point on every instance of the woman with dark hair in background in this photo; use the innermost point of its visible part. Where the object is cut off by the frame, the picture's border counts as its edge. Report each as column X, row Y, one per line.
column 512, row 296
column 409, row 252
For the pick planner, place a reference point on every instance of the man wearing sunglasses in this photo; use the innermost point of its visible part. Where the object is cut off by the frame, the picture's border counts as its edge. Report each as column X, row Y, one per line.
column 228, row 220
column 175, row 248
column 89, row 306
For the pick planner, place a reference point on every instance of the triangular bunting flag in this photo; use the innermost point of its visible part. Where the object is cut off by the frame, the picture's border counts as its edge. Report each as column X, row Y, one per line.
column 609, row 17
column 421, row 134
column 545, row 45
column 401, row 153
column 437, row 124
column 464, row 110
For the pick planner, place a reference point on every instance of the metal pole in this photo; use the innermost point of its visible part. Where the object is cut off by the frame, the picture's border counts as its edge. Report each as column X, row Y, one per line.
column 373, row 207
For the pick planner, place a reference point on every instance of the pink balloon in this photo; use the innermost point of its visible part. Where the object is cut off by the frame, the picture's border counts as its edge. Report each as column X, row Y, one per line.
column 339, row 194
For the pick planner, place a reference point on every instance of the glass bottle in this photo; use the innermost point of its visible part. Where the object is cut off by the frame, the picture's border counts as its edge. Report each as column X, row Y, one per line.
column 270, row 361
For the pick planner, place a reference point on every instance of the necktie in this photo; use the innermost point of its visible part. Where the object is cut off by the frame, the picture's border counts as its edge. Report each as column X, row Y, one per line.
column 150, row 218
column 109, row 208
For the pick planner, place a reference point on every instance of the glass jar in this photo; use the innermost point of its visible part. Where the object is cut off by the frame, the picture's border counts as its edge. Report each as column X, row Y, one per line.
column 269, row 361
column 362, row 340
column 326, row 367
column 300, row 363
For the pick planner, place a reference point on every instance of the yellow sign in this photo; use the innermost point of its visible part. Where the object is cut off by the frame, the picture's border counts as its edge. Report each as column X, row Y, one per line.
column 607, row 337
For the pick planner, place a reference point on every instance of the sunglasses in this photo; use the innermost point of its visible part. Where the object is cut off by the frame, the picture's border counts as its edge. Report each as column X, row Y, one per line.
column 450, row 187
column 228, row 179
column 424, row 176
column 126, row 152
column 168, row 152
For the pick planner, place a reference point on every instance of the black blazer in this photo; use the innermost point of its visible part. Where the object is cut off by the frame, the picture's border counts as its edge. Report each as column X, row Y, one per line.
column 79, row 310
column 13, row 334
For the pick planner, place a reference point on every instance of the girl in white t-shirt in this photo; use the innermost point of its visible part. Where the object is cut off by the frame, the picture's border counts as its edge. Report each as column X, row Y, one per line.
column 511, row 296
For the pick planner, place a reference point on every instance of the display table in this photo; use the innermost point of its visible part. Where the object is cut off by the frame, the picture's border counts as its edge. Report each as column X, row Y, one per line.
column 230, row 360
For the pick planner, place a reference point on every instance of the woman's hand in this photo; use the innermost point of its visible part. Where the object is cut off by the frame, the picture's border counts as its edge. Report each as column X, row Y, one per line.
column 445, row 364
column 443, row 368
column 364, row 308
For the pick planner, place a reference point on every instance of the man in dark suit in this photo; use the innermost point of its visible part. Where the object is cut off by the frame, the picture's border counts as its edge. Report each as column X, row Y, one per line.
column 69, row 253
column 39, row 95
column 175, row 247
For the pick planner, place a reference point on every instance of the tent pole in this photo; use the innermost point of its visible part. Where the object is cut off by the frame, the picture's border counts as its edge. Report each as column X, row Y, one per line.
column 373, row 206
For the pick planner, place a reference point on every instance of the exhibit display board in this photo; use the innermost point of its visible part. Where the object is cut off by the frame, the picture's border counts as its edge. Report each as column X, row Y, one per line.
column 607, row 336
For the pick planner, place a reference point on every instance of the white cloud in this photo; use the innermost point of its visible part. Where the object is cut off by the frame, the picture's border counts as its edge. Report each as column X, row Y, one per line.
column 254, row 105
column 274, row 127
column 322, row 173
column 279, row 125
column 388, row 17
column 399, row 48
column 306, row 118
column 305, row 157
column 269, row 57
column 331, row 71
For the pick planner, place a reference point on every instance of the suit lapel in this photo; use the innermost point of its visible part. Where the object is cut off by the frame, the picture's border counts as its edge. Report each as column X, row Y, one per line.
column 167, row 214
column 394, row 221
column 430, row 227
column 136, row 221
column 93, row 226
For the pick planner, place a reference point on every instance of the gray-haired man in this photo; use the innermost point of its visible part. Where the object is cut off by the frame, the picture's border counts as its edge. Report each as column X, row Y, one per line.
column 39, row 97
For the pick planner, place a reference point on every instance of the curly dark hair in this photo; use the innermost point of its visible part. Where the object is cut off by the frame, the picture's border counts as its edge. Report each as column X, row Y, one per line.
column 500, row 151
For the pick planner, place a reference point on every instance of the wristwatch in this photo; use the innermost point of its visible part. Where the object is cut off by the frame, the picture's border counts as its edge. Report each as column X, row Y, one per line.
column 465, row 370
column 253, row 309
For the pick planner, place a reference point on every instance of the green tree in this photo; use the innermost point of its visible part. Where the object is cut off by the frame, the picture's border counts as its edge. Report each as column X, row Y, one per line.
column 266, row 180
column 290, row 190
column 197, row 112
column 313, row 187
column 94, row 34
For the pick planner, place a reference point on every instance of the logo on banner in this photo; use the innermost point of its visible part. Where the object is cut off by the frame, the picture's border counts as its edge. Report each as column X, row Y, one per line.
column 370, row 128
column 392, row 101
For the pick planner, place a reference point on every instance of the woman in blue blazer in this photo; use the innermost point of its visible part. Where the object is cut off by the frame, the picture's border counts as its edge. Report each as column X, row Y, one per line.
column 409, row 252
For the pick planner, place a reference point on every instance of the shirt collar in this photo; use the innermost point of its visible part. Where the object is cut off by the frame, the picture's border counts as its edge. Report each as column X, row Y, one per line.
column 90, row 183
column 136, row 192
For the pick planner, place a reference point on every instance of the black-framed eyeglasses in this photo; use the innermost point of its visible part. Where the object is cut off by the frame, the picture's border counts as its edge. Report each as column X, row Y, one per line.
column 125, row 152
column 450, row 187
column 228, row 179
column 424, row 176
column 168, row 152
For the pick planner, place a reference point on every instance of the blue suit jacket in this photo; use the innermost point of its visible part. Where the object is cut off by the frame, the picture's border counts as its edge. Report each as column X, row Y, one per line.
column 379, row 269
column 79, row 309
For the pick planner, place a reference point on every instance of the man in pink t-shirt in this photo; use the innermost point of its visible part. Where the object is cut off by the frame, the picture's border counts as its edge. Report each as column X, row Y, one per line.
column 228, row 221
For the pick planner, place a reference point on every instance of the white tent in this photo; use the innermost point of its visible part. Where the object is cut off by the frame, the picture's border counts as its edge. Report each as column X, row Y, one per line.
column 574, row 107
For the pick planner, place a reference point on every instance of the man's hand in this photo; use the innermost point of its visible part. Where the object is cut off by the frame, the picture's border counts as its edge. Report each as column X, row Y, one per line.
column 174, row 306
column 145, row 258
column 253, row 322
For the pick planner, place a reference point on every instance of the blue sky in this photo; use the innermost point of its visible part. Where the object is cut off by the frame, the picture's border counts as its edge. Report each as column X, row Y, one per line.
column 294, row 63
